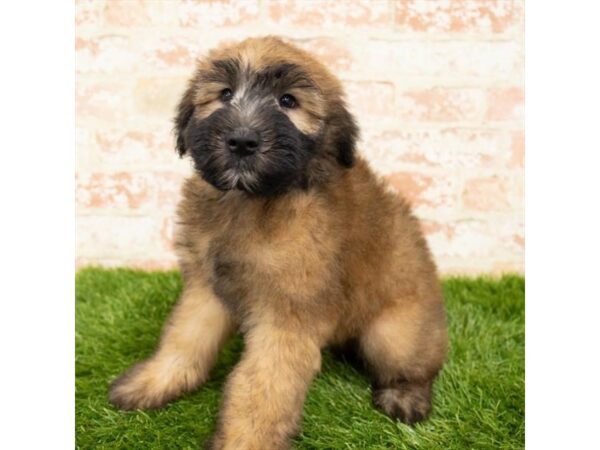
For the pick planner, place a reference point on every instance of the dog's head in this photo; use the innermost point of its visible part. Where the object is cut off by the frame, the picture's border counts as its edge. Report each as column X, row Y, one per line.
column 264, row 116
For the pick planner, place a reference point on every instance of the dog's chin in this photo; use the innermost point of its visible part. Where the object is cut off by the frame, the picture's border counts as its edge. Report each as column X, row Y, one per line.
column 234, row 180
column 251, row 183
column 246, row 182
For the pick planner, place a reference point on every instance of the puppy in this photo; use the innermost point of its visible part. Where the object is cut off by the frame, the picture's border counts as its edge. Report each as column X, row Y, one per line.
column 286, row 235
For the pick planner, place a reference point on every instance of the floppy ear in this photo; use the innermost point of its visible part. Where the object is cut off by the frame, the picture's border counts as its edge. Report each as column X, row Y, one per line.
column 344, row 133
column 185, row 110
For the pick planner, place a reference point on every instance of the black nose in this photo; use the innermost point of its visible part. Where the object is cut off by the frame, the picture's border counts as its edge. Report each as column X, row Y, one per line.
column 243, row 141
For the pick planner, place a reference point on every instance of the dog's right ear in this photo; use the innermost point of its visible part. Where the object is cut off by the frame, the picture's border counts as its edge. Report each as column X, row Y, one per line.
column 185, row 110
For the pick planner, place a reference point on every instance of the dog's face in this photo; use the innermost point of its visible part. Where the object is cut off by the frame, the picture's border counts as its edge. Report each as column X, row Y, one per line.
column 264, row 117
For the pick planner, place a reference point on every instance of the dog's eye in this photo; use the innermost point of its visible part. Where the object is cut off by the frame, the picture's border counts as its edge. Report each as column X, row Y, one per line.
column 226, row 95
column 288, row 101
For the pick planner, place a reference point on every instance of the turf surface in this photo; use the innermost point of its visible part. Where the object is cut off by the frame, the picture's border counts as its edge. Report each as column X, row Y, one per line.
column 478, row 400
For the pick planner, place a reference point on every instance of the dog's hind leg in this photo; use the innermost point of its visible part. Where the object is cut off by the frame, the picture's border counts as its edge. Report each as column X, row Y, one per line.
column 404, row 347
column 191, row 340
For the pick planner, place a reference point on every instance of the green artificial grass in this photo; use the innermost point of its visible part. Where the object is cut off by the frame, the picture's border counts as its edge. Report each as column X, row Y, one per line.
column 478, row 400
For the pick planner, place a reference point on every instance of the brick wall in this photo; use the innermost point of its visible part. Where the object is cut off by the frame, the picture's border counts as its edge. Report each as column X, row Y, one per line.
column 437, row 87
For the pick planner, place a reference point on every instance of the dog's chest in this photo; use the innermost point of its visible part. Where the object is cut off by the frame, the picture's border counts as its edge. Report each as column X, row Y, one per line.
column 255, row 267
column 228, row 275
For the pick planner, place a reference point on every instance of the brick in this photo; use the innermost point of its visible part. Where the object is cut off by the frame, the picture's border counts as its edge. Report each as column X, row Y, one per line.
column 443, row 59
column 447, row 148
column 425, row 191
column 495, row 239
column 517, row 158
column 334, row 53
column 127, row 13
column 140, row 14
column 124, row 53
column 492, row 194
column 174, row 54
column 131, row 147
column 158, row 96
column 370, row 98
column 106, row 54
column 330, row 13
column 168, row 190
column 129, row 191
column 220, row 13
column 153, row 148
column 107, row 101
column 88, row 12
column 459, row 16
column 119, row 237
column 506, row 104
column 85, row 148
column 519, row 239
column 168, row 52
column 122, row 190
column 167, row 231
column 442, row 105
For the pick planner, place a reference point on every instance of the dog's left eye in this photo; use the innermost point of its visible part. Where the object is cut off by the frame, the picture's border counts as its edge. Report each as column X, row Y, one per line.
column 288, row 101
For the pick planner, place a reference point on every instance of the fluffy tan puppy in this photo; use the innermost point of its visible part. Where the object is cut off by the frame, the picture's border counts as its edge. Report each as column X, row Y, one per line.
column 286, row 235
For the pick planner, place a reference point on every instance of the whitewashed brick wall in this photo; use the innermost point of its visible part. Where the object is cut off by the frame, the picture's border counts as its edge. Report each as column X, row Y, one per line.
column 437, row 87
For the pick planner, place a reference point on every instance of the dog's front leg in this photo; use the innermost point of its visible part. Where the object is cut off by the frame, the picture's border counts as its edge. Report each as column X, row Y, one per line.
column 191, row 339
column 263, row 398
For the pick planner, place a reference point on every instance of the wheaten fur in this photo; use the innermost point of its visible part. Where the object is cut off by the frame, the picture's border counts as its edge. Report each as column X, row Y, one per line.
column 330, row 258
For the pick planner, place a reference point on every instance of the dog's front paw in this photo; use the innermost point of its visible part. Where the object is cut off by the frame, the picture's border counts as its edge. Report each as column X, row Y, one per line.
column 141, row 387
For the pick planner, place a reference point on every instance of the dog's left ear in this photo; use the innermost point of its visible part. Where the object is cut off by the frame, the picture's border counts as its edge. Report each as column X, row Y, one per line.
column 185, row 110
column 343, row 134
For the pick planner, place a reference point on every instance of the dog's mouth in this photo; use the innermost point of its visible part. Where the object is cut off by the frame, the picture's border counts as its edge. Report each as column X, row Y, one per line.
column 245, row 163
column 240, row 186
column 267, row 171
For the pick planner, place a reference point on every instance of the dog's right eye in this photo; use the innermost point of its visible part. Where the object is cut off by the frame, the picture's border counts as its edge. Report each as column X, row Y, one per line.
column 226, row 95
